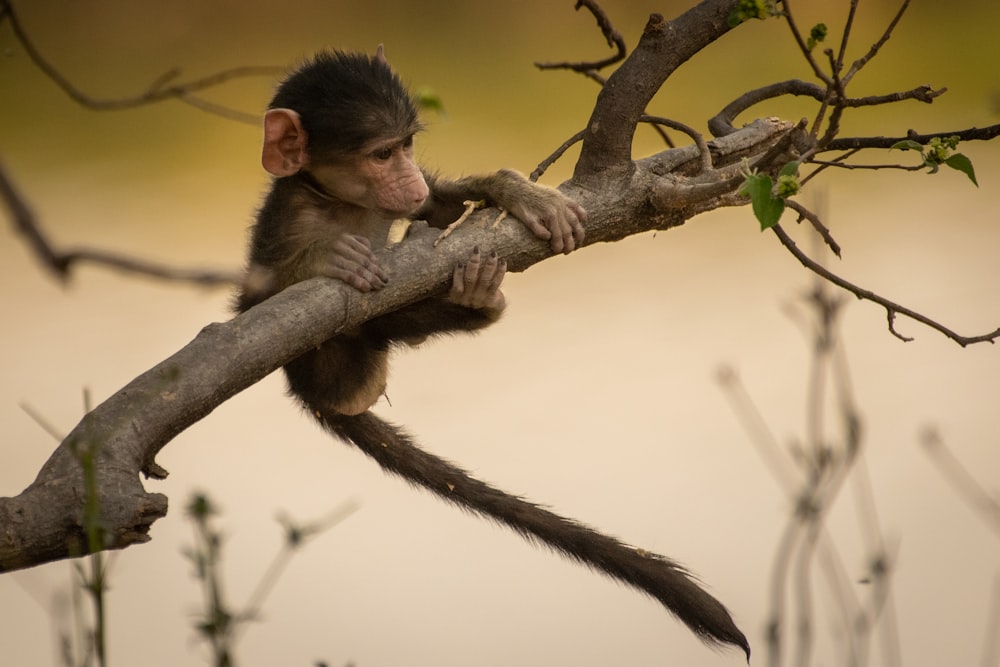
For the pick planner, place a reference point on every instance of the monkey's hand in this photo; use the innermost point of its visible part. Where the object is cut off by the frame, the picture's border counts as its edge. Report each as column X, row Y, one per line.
column 476, row 282
column 352, row 261
column 548, row 213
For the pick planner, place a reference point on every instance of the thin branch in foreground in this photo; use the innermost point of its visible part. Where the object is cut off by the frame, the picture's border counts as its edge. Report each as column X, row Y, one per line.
column 61, row 262
column 892, row 309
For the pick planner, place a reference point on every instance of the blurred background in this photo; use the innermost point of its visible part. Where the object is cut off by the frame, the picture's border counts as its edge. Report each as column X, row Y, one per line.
column 596, row 395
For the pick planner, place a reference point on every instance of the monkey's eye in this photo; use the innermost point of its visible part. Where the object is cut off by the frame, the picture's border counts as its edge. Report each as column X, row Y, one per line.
column 383, row 154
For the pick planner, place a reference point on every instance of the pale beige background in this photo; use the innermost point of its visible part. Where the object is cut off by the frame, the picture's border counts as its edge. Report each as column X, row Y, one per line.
column 595, row 395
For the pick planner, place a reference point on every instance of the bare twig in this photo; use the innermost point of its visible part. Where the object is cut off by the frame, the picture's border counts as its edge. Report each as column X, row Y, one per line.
column 157, row 91
column 544, row 165
column 611, row 36
column 871, row 167
column 892, row 309
column 722, row 122
column 971, row 134
column 845, row 38
column 704, row 154
column 817, row 224
column 806, row 52
column 835, row 97
column 877, row 46
column 61, row 262
column 470, row 207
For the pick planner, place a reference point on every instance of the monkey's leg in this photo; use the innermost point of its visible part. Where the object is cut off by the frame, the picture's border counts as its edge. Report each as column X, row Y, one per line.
column 660, row 577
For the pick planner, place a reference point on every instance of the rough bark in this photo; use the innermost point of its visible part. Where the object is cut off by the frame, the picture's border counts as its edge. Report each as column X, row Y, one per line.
column 46, row 521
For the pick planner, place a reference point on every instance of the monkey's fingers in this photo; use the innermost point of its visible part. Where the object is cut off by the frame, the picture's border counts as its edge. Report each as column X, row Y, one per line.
column 476, row 282
column 359, row 277
column 566, row 226
column 578, row 217
column 557, row 219
column 487, row 279
column 353, row 262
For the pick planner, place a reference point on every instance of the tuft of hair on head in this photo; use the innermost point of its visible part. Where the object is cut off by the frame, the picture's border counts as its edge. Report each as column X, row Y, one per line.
column 345, row 100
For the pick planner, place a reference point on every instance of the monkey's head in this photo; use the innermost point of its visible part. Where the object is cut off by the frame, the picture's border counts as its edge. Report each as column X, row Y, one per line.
column 346, row 99
column 347, row 120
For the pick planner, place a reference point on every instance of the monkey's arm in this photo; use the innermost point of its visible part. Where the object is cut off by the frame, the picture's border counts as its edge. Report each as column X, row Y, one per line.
column 549, row 214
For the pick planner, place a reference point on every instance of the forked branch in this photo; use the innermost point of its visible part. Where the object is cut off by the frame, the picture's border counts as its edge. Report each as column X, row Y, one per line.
column 892, row 309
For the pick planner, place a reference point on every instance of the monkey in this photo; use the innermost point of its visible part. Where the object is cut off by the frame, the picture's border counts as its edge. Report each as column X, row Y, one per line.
column 339, row 144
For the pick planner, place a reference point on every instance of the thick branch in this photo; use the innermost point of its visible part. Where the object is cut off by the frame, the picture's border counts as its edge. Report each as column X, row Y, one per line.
column 664, row 46
column 722, row 123
column 126, row 432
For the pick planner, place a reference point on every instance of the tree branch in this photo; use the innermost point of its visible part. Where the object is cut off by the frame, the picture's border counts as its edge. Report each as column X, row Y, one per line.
column 126, row 432
column 972, row 134
column 611, row 36
column 664, row 46
column 61, row 262
column 157, row 91
column 892, row 309
column 722, row 122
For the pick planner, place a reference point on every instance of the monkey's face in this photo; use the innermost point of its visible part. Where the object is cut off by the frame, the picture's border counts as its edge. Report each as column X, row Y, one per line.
column 383, row 176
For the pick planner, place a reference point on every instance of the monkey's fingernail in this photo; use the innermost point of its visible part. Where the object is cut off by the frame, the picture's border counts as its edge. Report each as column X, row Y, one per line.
column 475, row 251
column 493, row 255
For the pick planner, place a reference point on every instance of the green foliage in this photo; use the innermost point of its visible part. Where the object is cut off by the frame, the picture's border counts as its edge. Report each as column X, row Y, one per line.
column 939, row 151
column 428, row 100
column 816, row 36
column 220, row 623
column 767, row 199
column 752, row 9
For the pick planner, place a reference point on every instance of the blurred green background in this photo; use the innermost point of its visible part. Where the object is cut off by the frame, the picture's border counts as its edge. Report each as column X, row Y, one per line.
column 595, row 395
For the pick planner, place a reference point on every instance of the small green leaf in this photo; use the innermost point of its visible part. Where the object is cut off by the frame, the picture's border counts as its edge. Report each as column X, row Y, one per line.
column 907, row 145
column 790, row 169
column 964, row 165
column 768, row 212
column 429, row 100
column 766, row 208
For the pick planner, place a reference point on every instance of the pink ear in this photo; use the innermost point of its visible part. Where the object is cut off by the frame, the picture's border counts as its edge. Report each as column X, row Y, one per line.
column 380, row 55
column 284, row 150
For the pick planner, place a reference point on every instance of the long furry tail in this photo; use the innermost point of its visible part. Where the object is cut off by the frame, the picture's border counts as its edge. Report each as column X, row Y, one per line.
column 660, row 577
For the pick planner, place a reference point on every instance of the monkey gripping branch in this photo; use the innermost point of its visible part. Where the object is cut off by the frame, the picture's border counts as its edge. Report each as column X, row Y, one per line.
column 92, row 479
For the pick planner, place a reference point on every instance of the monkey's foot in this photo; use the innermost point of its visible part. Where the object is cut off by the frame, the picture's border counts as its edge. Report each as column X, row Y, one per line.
column 470, row 206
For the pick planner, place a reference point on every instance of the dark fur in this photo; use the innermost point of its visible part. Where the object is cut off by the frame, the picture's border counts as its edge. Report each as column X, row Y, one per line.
column 344, row 101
